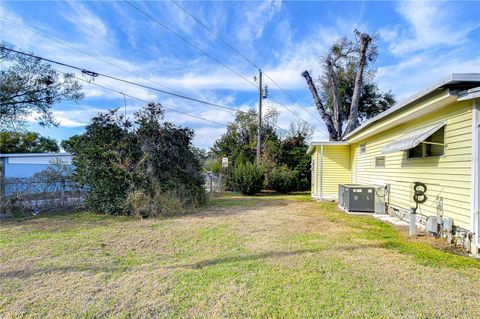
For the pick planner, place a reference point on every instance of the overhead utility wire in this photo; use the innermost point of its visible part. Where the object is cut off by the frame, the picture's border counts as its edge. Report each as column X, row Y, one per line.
column 143, row 100
column 203, row 52
column 86, row 53
column 215, row 34
column 95, row 74
column 188, row 42
column 219, row 37
column 107, row 62
column 167, row 108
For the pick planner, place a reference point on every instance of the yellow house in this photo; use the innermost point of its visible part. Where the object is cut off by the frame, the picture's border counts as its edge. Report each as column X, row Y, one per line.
column 433, row 138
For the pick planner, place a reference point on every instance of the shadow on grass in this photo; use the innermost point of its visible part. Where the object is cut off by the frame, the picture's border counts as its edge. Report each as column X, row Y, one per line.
column 26, row 273
column 230, row 200
column 393, row 238
column 266, row 255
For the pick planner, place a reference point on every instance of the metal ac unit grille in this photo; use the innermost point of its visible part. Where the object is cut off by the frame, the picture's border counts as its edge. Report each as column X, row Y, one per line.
column 361, row 198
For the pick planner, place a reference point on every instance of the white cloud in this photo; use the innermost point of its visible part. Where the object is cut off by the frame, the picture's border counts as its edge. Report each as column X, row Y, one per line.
column 434, row 44
column 253, row 21
column 90, row 26
column 77, row 117
column 306, row 54
column 422, row 71
column 430, row 24
column 205, row 136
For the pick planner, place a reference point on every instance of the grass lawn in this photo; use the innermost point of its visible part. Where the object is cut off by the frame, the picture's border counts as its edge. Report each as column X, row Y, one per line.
column 263, row 256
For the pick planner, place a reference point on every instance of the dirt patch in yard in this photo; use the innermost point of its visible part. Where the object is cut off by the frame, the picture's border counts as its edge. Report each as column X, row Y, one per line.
column 275, row 256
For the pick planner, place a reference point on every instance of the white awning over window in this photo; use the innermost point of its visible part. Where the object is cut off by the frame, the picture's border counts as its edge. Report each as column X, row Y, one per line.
column 412, row 139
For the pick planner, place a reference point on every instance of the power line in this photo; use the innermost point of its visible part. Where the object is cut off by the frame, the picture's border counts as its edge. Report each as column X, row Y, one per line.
column 112, row 64
column 167, row 108
column 96, row 74
column 147, row 79
column 215, row 34
column 143, row 100
column 178, row 35
column 137, row 74
column 203, row 51
column 219, row 37
column 291, row 97
column 86, row 53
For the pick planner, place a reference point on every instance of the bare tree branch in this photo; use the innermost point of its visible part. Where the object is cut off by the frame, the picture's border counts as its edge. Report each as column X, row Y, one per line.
column 352, row 123
column 337, row 121
column 332, row 131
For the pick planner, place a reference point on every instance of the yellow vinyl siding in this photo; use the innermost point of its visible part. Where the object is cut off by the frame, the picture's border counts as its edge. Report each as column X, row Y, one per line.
column 333, row 168
column 448, row 177
column 314, row 168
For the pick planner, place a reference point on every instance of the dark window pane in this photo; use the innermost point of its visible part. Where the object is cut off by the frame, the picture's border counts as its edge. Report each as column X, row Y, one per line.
column 437, row 137
column 380, row 161
column 415, row 152
column 434, row 150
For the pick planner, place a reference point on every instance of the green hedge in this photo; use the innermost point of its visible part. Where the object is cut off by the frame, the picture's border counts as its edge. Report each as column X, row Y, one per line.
column 283, row 179
column 247, row 178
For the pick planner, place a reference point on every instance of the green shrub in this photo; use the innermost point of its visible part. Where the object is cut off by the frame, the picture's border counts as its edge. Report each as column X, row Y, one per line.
column 172, row 202
column 121, row 163
column 139, row 203
column 247, row 178
column 165, row 203
column 282, row 179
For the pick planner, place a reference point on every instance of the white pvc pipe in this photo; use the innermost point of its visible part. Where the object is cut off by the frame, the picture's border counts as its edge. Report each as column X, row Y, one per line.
column 412, row 229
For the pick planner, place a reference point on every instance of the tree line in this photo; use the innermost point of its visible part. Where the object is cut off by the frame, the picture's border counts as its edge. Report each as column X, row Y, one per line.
column 148, row 166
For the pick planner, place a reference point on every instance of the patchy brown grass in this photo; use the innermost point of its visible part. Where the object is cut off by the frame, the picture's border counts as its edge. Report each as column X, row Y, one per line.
column 262, row 256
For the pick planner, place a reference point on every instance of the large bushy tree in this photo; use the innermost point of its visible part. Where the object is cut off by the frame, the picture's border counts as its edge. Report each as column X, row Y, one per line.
column 104, row 157
column 115, row 157
column 240, row 140
column 346, row 93
column 26, row 142
column 278, row 150
column 30, row 87
column 293, row 153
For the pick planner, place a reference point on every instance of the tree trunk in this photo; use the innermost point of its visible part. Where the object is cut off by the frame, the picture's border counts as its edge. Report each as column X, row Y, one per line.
column 334, row 135
column 352, row 123
column 337, row 120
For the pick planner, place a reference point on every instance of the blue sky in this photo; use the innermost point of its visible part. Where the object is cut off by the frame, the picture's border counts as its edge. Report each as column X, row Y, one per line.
column 419, row 44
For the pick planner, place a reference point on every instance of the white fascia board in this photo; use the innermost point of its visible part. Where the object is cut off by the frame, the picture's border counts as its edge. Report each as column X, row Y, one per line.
column 452, row 78
column 312, row 145
column 34, row 154
column 439, row 103
column 475, row 175
column 469, row 94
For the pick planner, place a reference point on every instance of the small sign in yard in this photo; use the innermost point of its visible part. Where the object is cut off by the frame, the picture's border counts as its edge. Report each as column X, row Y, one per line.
column 224, row 162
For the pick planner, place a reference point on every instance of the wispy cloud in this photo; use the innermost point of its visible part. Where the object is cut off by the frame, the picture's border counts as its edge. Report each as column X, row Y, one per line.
column 430, row 24
column 423, row 42
column 430, row 44
column 91, row 28
column 253, row 20
column 422, row 71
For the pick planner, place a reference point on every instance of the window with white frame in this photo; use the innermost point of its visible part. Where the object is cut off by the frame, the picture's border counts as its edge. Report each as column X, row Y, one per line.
column 362, row 149
column 433, row 146
column 380, row 162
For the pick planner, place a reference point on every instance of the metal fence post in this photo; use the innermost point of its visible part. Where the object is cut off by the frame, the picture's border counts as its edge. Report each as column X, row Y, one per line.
column 62, row 191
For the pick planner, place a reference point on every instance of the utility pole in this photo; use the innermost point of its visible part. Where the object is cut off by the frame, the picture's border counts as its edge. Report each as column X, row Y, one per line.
column 259, row 115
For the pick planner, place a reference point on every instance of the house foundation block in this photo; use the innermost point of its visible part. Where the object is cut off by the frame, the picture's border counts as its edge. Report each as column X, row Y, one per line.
column 458, row 236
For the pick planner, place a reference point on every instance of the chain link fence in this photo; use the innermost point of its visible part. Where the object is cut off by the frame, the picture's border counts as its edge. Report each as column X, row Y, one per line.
column 30, row 196
column 214, row 183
